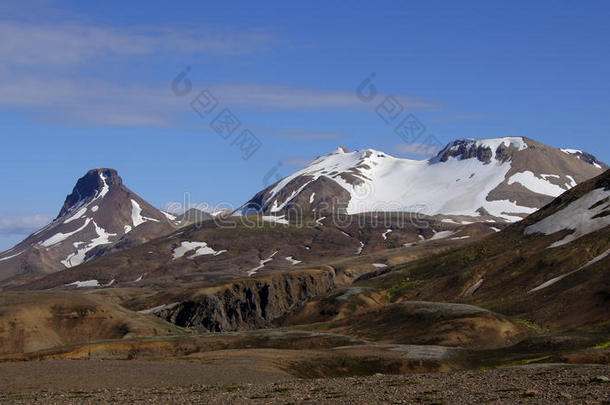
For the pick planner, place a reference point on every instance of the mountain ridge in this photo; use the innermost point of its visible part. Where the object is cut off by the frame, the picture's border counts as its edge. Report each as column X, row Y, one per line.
column 506, row 177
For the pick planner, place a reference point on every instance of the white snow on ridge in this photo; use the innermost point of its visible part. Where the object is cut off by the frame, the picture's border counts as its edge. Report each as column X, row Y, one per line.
column 311, row 197
column 578, row 154
column 571, row 151
column 380, row 265
column 169, row 216
column 105, row 187
column 541, row 186
column 576, row 216
column 60, row 237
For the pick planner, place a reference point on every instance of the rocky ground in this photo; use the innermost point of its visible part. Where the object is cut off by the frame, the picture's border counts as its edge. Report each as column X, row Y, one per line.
column 548, row 384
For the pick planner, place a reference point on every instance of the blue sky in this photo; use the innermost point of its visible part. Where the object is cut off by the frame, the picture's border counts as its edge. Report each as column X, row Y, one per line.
column 88, row 84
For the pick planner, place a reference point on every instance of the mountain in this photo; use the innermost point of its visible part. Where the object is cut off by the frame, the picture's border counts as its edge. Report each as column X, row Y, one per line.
column 100, row 215
column 507, row 178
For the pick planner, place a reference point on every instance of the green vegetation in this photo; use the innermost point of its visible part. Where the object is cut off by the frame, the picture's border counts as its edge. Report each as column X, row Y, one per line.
column 531, row 325
column 603, row 345
column 344, row 366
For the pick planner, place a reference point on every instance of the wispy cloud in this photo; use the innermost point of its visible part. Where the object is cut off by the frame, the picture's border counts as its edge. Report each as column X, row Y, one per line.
column 297, row 162
column 38, row 61
column 22, row 222
column 32, row 44
column 90, row 101
column 292, row 97
column 457, row 117
column 81, row 101
column 306, row 135
column 417, row 150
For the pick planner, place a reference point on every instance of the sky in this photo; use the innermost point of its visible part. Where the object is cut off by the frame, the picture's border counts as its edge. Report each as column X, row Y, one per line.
column 138, row 86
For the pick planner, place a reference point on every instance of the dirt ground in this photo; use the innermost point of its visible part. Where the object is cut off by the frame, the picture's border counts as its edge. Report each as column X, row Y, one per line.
column 78, row 382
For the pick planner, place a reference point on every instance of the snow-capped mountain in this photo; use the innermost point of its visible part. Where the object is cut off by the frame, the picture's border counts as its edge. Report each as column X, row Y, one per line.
column 100, row 215
column 506, row 178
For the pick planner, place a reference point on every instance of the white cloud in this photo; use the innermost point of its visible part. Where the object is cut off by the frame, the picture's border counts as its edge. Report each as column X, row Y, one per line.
column 22, row 222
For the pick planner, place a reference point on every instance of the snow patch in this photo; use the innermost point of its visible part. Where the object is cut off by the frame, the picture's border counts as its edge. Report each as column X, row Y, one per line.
column 272, row 218
column 60, row 237
column 360, row 248
column 159, row 308
column 136, row 214
column 201, row 248
column 556, row 279
column 385, row 234
column 473, row 288
column 10, row 257
column 541, row 186
column 76, row 258
column 292, row 260
column 87, row 283
column 261, row 264
column 379, row 265
column 442, row 235
column 78, row 214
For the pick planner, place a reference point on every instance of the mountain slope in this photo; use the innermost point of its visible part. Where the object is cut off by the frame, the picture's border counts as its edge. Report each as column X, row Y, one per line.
column 551, row 268
column 507, row 178
column 100, row 213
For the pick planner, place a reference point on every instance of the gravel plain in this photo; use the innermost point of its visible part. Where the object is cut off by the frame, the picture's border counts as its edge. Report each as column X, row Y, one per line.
column 533, row 384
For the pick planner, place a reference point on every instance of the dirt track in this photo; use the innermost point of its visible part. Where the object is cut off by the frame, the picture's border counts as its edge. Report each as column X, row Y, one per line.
column 139, row 382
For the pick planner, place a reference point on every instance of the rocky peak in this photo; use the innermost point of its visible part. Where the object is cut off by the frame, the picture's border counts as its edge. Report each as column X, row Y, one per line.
column 482, row 149
column 95, row 183
column 587, row 157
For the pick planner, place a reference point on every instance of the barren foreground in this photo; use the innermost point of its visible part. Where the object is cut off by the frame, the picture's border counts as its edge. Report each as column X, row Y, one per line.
column 77, row 382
